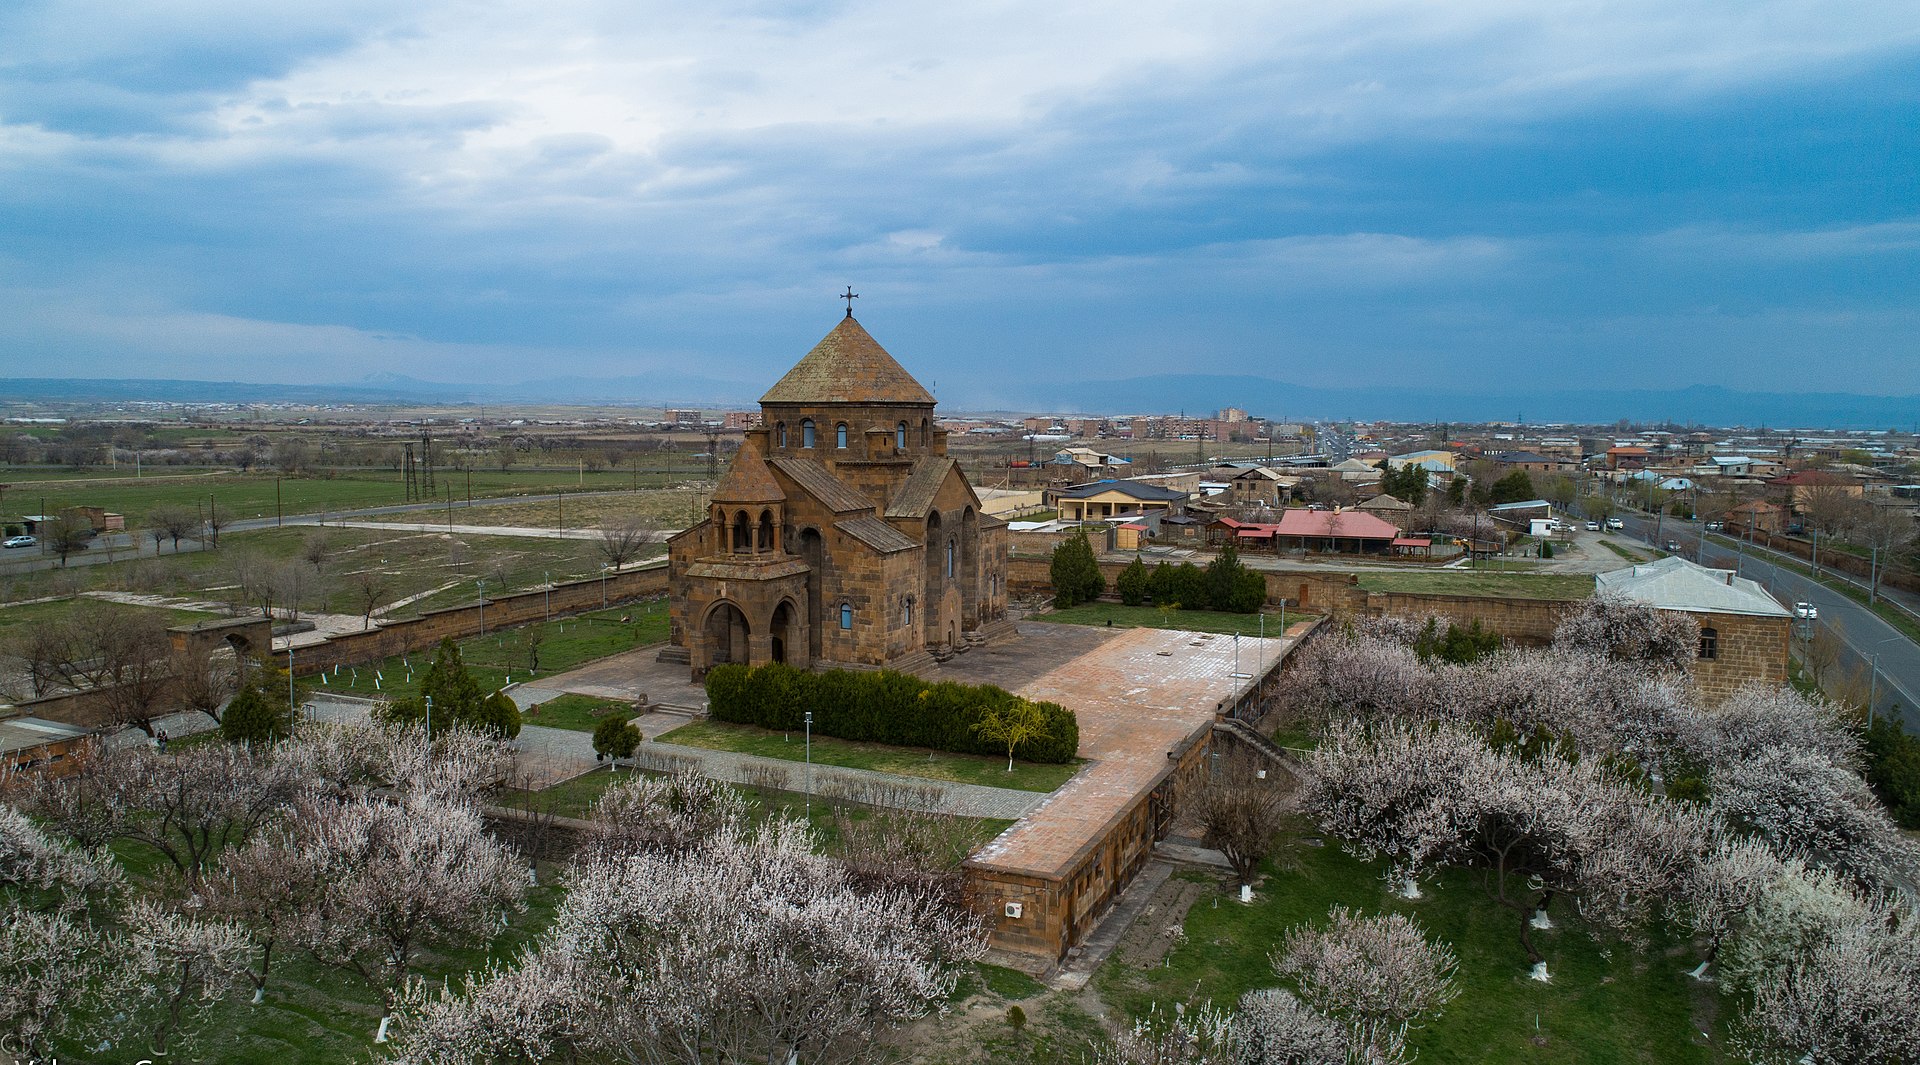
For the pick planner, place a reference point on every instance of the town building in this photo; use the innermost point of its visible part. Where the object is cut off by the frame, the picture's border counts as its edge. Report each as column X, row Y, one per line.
column 1743, row 632
column 842, row 532
column 1106, row 499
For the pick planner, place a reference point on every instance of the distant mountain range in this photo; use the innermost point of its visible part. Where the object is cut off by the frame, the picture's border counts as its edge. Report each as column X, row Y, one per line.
column 1197, row 394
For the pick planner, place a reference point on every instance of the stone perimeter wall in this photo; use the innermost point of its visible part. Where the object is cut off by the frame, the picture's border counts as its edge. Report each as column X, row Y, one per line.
column 1523, row 621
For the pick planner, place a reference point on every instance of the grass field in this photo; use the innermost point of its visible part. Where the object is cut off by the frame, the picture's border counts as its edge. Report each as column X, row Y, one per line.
column 1607, row 1003
column 1630, row 556
column 496, row 657
column 16, row 618
column 903, row 761
column 240, row 496
column 1468, row 582
column 581, row 713
column 1121, row 616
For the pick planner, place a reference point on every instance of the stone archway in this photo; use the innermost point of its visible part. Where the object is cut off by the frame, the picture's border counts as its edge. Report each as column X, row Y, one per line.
column 725, row 633
column 813, row 549
column 786, row 639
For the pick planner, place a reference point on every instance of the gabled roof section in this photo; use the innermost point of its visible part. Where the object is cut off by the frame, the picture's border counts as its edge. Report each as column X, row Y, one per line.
column 820, row 483
column 877, row 534
column 848, row 366
column 748, row 480
column 917, row 492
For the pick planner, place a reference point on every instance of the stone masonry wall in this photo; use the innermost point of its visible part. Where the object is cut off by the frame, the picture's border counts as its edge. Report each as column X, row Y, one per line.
column 1746, row 649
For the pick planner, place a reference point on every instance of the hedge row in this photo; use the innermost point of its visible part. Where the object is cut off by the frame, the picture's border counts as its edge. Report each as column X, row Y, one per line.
column 880, row 707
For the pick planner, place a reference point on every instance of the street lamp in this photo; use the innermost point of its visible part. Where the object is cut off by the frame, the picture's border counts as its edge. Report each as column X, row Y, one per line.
column 549, row 578
column 1873, row 676
column 482, row 586
column 809, row 723
column 603, row 584
column 429, row 718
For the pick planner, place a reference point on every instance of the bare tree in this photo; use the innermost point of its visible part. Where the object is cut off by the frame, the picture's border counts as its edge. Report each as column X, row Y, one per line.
column 625, row 539
column 178, row 523
column 370, row 588
column 1242, row 812
column 316, row 548
column 1885, row 532
column 67, row 534
column 291, row 584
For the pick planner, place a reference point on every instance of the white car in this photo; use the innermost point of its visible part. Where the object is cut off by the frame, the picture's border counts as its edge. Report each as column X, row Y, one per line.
column 1806, row 611
column 20, row 541
column 1593, row 526
column 1616, row 523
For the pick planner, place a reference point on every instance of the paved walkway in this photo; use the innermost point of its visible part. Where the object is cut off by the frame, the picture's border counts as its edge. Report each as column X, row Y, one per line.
column 554, row 750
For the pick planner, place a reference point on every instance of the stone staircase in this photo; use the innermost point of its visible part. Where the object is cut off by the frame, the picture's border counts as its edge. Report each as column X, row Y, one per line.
column 674, row 654
column 1251, row 736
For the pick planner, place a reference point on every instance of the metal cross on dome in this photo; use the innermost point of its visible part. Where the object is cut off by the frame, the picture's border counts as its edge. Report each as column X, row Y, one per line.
column 849, row 295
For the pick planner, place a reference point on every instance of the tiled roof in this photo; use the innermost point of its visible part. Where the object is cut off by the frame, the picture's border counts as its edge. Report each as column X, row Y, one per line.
column 848, row 366
column 916, row 493
column 748, row 480
column 1343, row 524
column 820, row 483
column 1386, row 502
column 876, row 534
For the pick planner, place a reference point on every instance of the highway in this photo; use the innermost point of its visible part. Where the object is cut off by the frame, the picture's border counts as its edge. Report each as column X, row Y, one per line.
column 1868, row 639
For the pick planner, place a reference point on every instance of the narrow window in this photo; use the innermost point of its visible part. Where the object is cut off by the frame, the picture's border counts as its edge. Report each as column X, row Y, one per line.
column 900, row 436
column 840, row 436
column 906, row 616
column 949, row 556
column 846, row 615
column 781, row 429
column 806, row 432
column 1709, row 643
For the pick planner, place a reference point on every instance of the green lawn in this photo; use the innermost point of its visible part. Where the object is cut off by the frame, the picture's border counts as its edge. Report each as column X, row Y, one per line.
column 16, row 618
column 497, row 656
column 1630, row 556
column 902, row 761
column 1121, row 616
column 1468, row 582
column 581, row 713
column 1607, row 1004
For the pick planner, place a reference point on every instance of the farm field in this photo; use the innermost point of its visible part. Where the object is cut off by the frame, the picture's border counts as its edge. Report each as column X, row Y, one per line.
column 243, row 496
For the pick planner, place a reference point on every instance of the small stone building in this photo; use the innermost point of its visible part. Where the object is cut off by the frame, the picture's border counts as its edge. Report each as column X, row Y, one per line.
column 1744, row 633
column 842, row 533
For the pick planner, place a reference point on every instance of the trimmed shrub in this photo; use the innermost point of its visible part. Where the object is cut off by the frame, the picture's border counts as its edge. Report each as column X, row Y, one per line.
column 615, row 737
column 1132, row 582
column 884, row 706
column 253, row 717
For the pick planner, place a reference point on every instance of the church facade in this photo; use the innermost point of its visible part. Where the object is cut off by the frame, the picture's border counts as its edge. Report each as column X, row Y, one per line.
column 842, row 534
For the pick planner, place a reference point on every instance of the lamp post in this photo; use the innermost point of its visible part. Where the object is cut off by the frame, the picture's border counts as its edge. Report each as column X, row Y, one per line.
column 1873, row 676
column 603, row 585
column 549, row 578
column 482, row 586
column 809, row 722
column 429, row 719
column 289, row 677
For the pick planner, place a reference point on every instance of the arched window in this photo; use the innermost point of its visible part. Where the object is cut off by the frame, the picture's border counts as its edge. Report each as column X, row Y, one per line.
column 906, row 615
column 949, row 556
column 846, row 615
column 925, row 437
column 900, row 436
column 806, row 432
column 1709, row 643
column 840, row 436
column 780, row 433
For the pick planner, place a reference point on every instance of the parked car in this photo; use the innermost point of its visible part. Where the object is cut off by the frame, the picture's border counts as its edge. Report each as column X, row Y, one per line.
column 1616, row 523
column 1673, row 547
column 1715, row 526
column 1593, row 526
column 1806, row 611
column 20, row 541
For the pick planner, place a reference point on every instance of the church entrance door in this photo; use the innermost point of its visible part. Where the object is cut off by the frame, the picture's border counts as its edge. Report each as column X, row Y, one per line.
column 727, row 633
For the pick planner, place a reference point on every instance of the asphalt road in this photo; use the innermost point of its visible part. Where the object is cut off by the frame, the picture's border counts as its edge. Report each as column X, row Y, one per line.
column 1872, row 644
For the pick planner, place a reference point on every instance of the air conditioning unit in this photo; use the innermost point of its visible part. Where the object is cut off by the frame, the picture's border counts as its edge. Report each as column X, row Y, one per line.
column 1015, row 909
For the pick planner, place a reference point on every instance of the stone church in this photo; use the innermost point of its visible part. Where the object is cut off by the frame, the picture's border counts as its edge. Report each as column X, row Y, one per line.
column 842, row 534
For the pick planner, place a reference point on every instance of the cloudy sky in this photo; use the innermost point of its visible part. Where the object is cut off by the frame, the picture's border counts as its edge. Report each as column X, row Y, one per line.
column 1634, row 192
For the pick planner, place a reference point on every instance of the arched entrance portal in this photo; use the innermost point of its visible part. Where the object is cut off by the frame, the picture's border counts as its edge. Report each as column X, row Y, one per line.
column 781, row 632
column 727, row 632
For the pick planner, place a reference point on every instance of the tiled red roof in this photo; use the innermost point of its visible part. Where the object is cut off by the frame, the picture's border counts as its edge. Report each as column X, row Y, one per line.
column 1344, row 524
